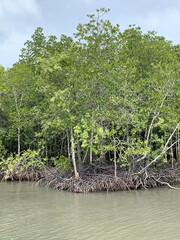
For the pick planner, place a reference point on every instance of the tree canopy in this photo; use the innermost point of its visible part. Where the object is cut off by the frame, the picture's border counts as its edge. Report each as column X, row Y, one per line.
column 102, row 96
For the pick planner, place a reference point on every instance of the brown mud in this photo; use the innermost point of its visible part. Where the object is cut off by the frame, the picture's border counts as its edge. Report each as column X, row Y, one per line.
column 25, row 174
column 96, row 179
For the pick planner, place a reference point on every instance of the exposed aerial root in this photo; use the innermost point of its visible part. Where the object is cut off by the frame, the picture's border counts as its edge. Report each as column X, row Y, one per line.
column 25, row 174
column 107, row 182
column 95, row 179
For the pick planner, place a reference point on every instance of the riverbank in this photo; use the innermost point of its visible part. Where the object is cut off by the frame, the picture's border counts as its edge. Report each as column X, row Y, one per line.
column 96, row 179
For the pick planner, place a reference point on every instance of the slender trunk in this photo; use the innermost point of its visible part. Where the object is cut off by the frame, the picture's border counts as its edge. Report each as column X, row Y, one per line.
column 115, row 158
column 73, row 155
column 150, row 128
column 178, row 148
column 90, row 153
column 115, row 164
column 165, row 149
column 68, row 146
column 172, row 156
column 19, row 141
column 102, row 153
column 46, row 147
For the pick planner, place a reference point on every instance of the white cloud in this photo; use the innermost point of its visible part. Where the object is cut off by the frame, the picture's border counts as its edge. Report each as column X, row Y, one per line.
column 10, row 49
column 165, row 23
column 89, row 1
column 18, row 8
column 162, row 16
column 19, row 18
column 160, row 20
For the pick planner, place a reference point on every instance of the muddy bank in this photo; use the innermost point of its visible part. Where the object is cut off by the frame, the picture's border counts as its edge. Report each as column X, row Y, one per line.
column 125, row 180
column 25, row 174
column 95, row 179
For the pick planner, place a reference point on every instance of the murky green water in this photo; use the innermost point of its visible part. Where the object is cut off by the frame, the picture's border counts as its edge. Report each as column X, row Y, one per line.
column 35, row 213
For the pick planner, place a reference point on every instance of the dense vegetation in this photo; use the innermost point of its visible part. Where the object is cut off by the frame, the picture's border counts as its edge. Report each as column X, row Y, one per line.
column 102, row 97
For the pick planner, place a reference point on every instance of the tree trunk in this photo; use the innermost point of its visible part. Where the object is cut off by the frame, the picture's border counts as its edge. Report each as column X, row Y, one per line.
column 115, row 158
column 115, row 164
column 19, row 141
column 73, row 155
column 90, row 153
column 178, row 148
column 101, row 140
column 68, row 146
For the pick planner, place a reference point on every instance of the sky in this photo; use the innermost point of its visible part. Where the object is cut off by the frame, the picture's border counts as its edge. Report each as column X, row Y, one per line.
column 20, row 18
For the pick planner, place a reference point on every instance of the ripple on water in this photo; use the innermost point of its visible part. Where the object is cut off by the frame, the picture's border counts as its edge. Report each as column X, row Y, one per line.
column 28, row 212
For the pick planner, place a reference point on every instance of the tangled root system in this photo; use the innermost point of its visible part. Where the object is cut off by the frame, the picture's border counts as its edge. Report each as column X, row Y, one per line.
column 93, row 179
column 107, row 182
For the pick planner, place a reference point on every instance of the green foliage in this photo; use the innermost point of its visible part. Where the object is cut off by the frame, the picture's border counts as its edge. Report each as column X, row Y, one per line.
column 29, row 158
column 116, row 92
column 61, row 163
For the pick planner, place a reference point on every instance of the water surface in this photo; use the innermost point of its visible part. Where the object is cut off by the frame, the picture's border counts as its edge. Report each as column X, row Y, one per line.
column 36, row 213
